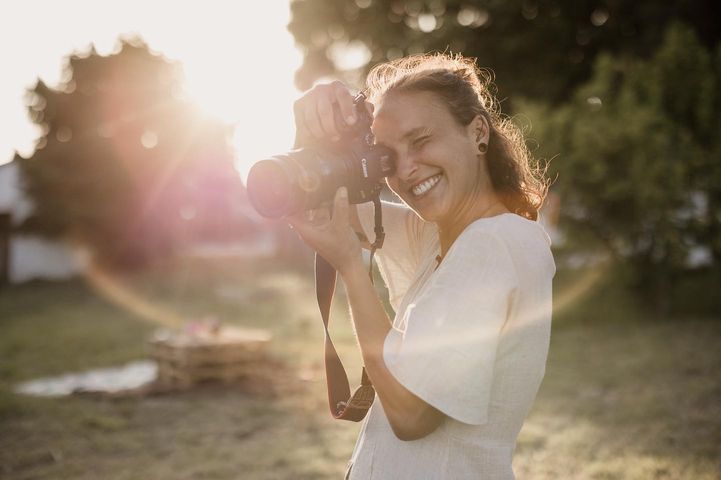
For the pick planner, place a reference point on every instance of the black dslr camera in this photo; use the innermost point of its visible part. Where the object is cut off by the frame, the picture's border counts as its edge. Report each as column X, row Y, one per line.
column 306, row 178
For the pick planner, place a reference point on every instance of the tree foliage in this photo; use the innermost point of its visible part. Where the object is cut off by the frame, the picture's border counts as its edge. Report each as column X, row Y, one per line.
column 638, row 159
column 125, row 164
column 537, row 48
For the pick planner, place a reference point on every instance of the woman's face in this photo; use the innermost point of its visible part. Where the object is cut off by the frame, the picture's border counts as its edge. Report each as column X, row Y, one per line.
column 438, row 173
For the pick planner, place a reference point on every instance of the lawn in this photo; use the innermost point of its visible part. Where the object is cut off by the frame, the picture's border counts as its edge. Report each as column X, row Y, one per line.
column 626, row 396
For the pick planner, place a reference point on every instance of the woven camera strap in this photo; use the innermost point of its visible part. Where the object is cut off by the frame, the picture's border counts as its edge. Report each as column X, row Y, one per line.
column 343, row 405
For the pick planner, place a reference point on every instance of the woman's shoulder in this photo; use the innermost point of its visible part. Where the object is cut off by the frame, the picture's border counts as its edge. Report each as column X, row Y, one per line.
column 510, row 228
column 525, row 242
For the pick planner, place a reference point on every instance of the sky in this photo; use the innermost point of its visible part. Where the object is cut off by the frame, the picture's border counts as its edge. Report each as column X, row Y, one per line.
column 249, row 87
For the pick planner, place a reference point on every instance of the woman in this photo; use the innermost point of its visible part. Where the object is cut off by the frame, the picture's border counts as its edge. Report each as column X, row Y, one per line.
column 467, row 267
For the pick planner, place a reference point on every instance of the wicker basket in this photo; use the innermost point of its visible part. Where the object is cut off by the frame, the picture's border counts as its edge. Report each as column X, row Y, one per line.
column 223, row 354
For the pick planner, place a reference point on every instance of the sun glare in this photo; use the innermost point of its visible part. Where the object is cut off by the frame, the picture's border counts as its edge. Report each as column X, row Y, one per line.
column 254, row 92
column 238, row 58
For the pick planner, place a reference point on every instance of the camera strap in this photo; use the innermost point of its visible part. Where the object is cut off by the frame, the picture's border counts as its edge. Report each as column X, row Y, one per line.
column 343, row 405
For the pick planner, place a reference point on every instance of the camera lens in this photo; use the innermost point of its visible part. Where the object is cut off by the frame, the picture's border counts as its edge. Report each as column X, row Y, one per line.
column 270, row 188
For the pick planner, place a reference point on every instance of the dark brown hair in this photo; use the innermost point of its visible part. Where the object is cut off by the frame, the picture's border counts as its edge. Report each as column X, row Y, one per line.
column 468, row 91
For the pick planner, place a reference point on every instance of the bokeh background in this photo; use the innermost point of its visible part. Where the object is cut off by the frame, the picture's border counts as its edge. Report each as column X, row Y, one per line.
column 126, row 133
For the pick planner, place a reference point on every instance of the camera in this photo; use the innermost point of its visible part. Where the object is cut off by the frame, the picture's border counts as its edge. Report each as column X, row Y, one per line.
column 308, row 177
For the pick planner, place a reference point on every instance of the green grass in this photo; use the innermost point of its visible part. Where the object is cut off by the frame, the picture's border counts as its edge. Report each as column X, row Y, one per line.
column 625, row 396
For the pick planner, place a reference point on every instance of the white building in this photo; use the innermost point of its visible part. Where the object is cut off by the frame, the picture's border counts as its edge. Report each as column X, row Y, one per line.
column 26, row 257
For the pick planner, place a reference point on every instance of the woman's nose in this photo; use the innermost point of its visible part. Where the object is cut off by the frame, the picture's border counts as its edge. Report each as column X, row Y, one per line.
column 406, row 168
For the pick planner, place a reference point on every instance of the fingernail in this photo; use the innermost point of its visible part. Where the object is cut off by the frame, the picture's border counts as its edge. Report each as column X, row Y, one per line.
column 350, row 119
column 343, row 192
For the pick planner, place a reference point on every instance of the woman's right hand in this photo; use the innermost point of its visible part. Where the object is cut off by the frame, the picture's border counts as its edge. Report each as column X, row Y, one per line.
column 315, row 120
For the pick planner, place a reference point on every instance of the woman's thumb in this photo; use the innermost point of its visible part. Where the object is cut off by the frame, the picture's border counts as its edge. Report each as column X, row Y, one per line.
column 340, row 204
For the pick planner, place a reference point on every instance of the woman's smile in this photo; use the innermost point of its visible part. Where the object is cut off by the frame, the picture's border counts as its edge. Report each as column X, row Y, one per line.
column 422, row 188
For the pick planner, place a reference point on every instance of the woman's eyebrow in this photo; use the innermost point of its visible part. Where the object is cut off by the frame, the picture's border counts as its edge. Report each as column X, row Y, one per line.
column 415, row 131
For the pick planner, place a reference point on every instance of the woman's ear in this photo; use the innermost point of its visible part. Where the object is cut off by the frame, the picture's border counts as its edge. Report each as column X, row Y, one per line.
column 480, row 130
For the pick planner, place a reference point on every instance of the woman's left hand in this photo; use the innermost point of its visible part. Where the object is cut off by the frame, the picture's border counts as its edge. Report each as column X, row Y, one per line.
column 330, row 234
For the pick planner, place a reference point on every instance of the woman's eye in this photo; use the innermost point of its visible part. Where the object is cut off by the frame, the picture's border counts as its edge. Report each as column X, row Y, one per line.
column 420, row 141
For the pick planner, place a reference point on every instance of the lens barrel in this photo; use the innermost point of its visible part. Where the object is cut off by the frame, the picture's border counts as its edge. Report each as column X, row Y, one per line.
column 271, row 188
column 307, row 178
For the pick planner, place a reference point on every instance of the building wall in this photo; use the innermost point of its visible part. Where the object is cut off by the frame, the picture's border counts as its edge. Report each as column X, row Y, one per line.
column 36, row 258
column 31, row 257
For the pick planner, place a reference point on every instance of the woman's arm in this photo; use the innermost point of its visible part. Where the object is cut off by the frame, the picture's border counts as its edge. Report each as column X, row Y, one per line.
column 336, row 240
column 333, row 238
column 410, row 417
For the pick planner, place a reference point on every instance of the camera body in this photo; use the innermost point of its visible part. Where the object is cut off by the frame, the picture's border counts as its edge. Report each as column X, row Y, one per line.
column 307, row 178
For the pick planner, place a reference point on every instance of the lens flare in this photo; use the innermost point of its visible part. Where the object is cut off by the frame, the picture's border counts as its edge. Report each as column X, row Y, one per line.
column 576, row 291
column 119, row 294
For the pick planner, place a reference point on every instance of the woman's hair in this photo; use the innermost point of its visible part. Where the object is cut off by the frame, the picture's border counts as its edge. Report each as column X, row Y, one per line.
column 468, row 91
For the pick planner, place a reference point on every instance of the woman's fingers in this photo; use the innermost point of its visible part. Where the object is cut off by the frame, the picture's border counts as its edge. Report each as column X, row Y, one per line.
column 312, row 119
column 329, row 235
column 310, row 218
column 318, row 216
column 345, row 102
column 315, row 112
column 340, row 208
column 326, row 116
column 335, row 215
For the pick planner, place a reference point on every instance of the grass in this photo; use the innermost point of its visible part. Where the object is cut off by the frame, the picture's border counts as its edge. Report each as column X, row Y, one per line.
column 625, row 396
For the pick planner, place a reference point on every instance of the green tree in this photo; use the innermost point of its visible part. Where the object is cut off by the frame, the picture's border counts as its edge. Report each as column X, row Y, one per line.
column 125, row 164
column 638, row 159
column 537, row 48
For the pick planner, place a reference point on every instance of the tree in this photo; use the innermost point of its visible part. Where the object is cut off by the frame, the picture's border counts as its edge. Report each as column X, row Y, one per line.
column 537, row 48
column 125, row 164
column 638, row 159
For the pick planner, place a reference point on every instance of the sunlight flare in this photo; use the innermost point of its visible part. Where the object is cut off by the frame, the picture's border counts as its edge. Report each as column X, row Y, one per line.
column 124, row 297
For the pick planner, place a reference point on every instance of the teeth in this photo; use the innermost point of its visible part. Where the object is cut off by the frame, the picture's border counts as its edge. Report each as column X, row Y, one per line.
column 423, row 187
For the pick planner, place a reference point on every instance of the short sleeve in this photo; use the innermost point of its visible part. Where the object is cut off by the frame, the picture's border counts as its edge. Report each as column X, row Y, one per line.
column 446, row 353
column 406, row 239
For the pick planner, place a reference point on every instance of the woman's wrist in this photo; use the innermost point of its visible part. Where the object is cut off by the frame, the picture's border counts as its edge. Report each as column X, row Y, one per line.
column 352, row 268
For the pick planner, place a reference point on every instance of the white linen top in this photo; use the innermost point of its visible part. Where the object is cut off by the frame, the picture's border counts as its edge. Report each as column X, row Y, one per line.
column 469, row 337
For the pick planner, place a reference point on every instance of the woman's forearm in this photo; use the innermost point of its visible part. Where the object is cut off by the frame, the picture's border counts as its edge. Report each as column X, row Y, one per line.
column 410, row 417
column 369, row 317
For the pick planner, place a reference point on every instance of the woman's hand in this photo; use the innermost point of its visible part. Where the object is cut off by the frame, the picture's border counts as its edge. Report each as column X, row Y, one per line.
column 315, row 120
column 330, row 234
column 315, row 117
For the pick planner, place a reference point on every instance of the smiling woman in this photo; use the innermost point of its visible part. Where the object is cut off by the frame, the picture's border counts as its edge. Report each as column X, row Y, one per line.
column 214, row 41
column 467, row 267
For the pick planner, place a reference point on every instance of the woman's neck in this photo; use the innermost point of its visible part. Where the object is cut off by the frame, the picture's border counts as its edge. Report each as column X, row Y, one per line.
column 449, row 231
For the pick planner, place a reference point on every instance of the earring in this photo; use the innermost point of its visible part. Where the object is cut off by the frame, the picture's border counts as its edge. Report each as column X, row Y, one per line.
column 483, row 147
